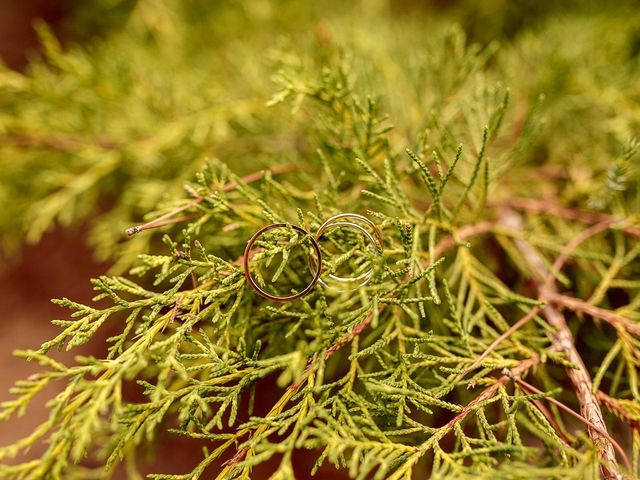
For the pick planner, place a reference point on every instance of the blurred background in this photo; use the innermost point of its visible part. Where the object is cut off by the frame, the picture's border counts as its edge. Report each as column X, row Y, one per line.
column 61, row 262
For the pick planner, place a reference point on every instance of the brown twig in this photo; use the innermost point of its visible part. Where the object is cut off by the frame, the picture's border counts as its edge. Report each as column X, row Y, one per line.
column 519, row 370
column 515, row 327
column 528, row 387
column 563, row 339
column 614, row 405
column 346, row 339
column 462, row 234
column 165, row 219
column 608, row 316
column 293, row 388
column 552, row 421
column 601, row 222
column 515, row 374
column 551, row 207
column 539, row 266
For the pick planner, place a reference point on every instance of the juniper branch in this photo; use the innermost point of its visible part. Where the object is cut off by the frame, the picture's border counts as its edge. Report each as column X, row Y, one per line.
column 579, row 376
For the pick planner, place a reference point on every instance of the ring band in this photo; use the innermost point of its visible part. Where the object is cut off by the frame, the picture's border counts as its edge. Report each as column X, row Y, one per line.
column 363, row 278
column 252, row 282
column 355, row 216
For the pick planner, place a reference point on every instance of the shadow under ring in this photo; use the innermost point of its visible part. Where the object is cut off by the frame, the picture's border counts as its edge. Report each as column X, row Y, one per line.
column 252, row 282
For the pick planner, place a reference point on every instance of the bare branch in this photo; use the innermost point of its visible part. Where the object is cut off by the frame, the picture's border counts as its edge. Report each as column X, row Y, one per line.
column 563, row 339
column 578, row 305
column 528, row 387
column 462, row 234
column 551, row 207
column 547, row 287
column 164, row 219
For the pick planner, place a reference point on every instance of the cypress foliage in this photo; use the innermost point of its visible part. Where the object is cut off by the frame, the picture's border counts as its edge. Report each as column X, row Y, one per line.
column 499, row 336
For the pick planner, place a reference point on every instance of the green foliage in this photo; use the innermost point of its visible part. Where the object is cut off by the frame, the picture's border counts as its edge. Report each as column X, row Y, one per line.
column 399, row 118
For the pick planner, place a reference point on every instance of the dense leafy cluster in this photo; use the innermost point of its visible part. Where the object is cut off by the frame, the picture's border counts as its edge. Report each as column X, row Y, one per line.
column 510, row 224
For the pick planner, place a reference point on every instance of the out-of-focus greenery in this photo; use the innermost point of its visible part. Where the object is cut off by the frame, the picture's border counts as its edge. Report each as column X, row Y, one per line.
column 154, row 99
column 433, row 120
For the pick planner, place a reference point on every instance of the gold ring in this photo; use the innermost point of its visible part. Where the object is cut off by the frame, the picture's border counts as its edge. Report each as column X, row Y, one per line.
column 252, row 282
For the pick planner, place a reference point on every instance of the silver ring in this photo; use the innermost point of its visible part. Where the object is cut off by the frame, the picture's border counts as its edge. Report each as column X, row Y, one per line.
column 375, row 241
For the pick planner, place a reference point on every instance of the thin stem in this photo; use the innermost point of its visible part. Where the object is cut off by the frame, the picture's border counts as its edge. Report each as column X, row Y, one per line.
column 563, row 338
column 550, row 207
column 164, row 219
column 547, row 288
column 608, row 316
column 462, row 234
column 603, row 432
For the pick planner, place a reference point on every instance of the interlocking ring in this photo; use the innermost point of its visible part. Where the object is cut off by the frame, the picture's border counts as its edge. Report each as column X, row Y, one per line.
column 334, row 222
column 252, row 282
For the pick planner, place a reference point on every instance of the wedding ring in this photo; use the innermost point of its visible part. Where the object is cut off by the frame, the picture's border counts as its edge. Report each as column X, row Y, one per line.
column 247, row 257
column 375, row 241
